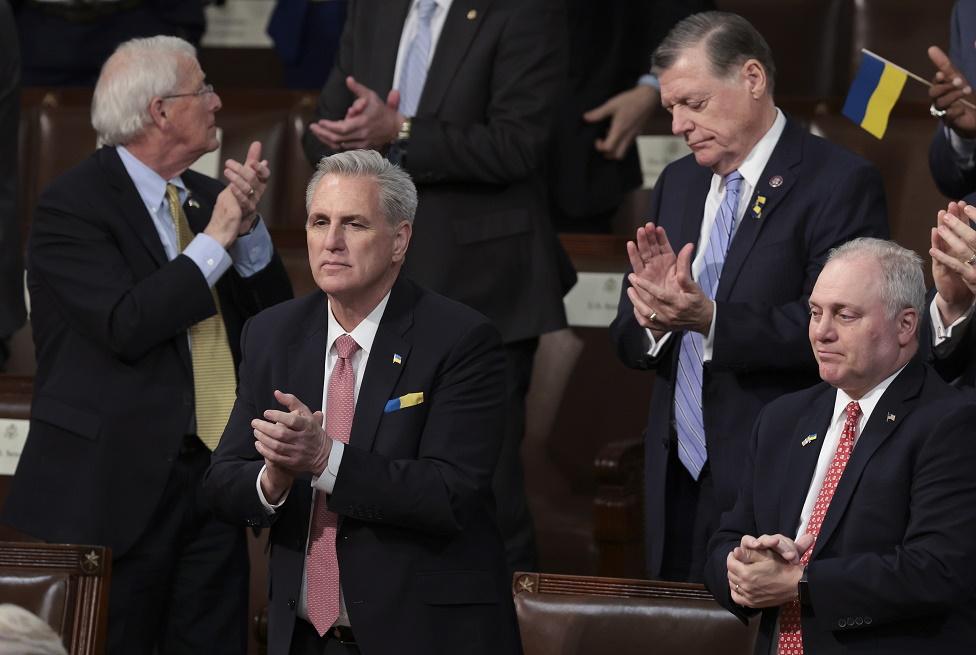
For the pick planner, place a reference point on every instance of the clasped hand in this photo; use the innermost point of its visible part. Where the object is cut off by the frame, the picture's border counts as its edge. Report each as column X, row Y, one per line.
column 662, row 291
column 764, row 571
column 292, row 441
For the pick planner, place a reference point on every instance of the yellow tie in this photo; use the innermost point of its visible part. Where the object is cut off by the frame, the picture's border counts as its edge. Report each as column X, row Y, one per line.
column 214, row 382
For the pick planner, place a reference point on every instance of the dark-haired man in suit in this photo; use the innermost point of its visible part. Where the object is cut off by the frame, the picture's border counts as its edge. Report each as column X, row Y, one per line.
column 366, row 429
column 721, row 318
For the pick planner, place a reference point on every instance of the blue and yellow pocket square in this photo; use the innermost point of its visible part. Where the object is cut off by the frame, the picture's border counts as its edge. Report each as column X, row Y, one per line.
column 404, row 401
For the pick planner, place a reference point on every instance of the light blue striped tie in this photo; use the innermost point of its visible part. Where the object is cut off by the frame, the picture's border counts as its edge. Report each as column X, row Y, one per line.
column 414, row 72
column 688, row 420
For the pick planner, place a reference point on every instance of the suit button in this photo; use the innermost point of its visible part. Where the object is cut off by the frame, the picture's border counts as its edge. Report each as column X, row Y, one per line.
column 842, row 623
column 291, row 603
column 858, row 621
column 867, row 620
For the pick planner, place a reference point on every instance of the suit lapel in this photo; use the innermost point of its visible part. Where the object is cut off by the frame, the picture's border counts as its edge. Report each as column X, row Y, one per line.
column 306, row 356
column 131, row 208
column 460, row 26
column 804, row 447
column 775, row 182
column 382, row 374
column 382, row 61
column 691, row 222
column 896, row 402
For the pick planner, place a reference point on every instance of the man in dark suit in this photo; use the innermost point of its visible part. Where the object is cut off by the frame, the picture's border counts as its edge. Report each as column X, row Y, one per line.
column 12, row 313
column 391, row 495
column 855, row 526
column 141, row 275
column 723, row 329
column 466, row 99
column 951, row 154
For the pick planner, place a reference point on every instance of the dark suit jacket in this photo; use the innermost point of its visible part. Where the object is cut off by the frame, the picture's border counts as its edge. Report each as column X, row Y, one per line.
column 478, row 146
column 420, row 559
column 12, row 312
column 891, row 571
column 827, row 196
column 952, row 181
column 113, row 393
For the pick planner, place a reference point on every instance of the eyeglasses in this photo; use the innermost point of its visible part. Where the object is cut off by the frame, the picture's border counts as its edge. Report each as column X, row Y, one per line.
column 204, row 90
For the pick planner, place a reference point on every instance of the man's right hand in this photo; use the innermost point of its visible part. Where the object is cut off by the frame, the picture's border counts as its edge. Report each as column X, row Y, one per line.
column 953, row 245
column 238, row 202
column 948, row 90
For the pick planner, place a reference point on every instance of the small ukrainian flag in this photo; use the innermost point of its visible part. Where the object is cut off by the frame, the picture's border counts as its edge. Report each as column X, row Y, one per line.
column 873, row 93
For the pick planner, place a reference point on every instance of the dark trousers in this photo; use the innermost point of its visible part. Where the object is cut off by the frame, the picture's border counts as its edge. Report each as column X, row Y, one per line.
column 183, row 587
column 306, row 641
column 691, row 519
column 508, row 484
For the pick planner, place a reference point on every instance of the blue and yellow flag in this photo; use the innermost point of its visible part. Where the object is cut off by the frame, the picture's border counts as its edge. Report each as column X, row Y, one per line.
column 873, row 93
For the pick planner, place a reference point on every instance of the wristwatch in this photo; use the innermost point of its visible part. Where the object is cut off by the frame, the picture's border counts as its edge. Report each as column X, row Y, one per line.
column 803, row 589
column 398, row 149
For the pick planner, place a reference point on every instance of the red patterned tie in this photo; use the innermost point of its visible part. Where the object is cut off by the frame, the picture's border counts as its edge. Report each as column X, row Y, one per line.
column 790, row 632
column 321, row 565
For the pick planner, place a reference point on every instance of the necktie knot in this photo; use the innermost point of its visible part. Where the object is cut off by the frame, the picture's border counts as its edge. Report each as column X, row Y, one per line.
column 853, row 411
column 346, row 346
column 732, row 181
column 425, row 9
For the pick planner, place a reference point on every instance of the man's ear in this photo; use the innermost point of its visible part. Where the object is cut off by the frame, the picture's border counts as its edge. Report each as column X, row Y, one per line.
column 401, row 240
column 157, row 111
column 754, row 75
column 907, row 326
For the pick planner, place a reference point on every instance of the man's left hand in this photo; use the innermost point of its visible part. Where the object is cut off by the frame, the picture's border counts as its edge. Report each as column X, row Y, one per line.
column 679, row 303
column 294, row 440
column 369, row 123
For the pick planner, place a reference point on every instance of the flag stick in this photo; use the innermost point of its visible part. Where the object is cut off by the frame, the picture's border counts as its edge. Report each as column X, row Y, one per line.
column 912, row 75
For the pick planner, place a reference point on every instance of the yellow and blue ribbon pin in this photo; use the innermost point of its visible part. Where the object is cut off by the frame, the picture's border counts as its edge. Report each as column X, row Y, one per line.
column 404, row 401
column 807, row 440
column 397, row 360
column 757, row 209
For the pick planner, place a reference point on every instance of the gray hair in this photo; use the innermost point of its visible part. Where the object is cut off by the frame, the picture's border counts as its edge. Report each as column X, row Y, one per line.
column 397, row 193
column 23, row 633
column 138, row 71
column 729, row 39
column 902, row 279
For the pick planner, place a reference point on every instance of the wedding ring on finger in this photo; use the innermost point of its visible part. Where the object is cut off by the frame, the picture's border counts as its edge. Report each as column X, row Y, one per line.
column 737, row 588
column 250, row 192
column 936, row 113
column 972, row 260
column 652, row 316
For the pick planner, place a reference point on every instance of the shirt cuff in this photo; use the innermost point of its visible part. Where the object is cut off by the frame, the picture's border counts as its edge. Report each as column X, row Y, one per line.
column 268, row 507
column 252, row 252
column 209, row 256
column 940, row 331
column 708, row 343
column 326, row 481
column 963, row 149
column 649, row 80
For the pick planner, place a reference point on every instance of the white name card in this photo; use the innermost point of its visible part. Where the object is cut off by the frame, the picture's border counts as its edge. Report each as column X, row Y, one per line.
column 657, row 151
column 13, row 434
column 593, row 301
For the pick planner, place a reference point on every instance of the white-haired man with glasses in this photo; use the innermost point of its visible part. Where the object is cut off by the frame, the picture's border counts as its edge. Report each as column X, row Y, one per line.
column 141, row 274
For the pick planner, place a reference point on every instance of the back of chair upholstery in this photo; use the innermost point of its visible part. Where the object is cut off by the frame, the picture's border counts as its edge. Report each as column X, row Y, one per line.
column 66, row 585
column 577, row 615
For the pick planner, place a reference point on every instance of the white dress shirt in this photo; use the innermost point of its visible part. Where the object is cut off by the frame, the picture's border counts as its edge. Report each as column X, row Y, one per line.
column 750, row 169
column 363, row 334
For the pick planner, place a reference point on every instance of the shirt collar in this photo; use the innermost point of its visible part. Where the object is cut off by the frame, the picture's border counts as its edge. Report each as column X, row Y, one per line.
column 755, row 162
column 151, row 187
column 867, row 402
column 364, row 333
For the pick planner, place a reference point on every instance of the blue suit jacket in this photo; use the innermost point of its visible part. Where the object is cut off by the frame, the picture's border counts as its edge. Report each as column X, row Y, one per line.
column 827, row 196
column 891, row 571
column 420, row 559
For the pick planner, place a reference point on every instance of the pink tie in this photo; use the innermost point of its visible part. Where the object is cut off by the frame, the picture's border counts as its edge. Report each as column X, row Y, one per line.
column 790, row 632
column 321, row 564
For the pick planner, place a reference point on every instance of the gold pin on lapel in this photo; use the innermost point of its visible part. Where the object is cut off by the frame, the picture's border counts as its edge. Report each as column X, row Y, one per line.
column 807, row 440
column 193, row 203
column 891, row 418
column 472, row 14
column 757, row 209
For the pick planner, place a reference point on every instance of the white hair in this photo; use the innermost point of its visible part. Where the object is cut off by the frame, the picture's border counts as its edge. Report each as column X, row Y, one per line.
column 23, row 633
column 902, row 280
column 138, row 71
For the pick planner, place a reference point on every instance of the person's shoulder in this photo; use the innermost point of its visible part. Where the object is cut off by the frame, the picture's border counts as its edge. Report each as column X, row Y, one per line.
column 290, row 316
column 827, row 157
column 202, row 183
